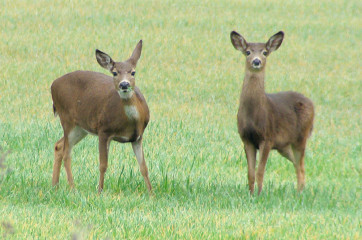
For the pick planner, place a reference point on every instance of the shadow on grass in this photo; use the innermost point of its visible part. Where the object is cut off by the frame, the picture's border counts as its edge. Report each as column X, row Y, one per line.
column 219, row 194
column 129, row 191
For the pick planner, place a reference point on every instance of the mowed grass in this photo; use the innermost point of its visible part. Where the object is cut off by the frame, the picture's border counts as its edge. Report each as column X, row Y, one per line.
column 191, row 77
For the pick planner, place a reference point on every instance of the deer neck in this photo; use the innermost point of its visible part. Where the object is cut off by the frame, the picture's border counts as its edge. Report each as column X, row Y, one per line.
column 130, row 106
column 253, row 91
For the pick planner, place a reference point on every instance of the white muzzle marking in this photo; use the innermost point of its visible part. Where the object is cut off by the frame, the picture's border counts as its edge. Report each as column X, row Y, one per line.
column 256, row 66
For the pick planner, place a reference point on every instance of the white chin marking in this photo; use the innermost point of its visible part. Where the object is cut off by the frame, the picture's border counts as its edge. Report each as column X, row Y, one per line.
column 125, row 95
column 257, row 67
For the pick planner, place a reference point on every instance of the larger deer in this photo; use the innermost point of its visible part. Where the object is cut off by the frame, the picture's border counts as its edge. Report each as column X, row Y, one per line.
column 281, row 121
column 112, row 108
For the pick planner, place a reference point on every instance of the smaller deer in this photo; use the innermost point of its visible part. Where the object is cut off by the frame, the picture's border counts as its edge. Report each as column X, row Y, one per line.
column 112, row 108
column 281, row 121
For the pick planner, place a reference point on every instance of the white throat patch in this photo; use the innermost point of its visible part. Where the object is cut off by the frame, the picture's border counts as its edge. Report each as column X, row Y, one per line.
column 131, row 112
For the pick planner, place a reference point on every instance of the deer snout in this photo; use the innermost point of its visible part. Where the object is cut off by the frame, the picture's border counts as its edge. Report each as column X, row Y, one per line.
column 256, row 62
column 124, row 85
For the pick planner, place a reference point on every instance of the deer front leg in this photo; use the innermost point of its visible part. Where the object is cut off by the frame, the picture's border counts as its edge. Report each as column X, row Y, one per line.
column 250, row 152
column 138, row 151
column 103, row 159
column 264, row 149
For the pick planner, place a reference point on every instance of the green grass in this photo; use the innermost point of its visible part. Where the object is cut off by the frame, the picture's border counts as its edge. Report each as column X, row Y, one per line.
column 191, row 77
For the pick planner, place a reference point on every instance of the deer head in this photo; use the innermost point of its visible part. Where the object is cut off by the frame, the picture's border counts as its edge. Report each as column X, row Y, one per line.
column 123, row 72
column 256, row 53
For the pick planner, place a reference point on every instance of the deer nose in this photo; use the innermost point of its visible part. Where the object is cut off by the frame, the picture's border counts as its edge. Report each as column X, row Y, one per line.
column 124, row 85
column 256, row 62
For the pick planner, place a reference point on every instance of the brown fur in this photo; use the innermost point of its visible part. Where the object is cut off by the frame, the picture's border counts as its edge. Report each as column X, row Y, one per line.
column 281, row 121
column 90, row 102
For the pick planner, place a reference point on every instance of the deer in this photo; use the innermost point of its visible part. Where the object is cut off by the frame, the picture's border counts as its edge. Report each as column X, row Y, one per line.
column 112, row 108
column 280, row 121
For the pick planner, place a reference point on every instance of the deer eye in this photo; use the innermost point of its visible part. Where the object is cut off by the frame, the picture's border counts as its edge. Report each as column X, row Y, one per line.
column 247, row 53
column 133, row 73
column 265, row 53
column 114, row 73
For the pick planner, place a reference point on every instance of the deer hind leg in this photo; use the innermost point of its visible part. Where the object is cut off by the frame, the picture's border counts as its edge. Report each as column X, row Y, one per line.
column 104, row 142
column 299, row 167
column 58, row 157
column 250, row 152
column 70, row 140
column 264, row 149
column 297, row 158
column 138, row 151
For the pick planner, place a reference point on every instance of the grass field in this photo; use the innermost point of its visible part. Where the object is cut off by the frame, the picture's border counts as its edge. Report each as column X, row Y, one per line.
column 191, row 77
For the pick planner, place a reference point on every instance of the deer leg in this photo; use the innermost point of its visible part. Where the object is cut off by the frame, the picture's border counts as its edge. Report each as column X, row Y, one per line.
column 299, row 168
column 264, row 149
column 138, row 151
column 67, row 161
column 58, row 157
column 250, row 152
column 103, row 159
column 70, row 140
column 297, row 158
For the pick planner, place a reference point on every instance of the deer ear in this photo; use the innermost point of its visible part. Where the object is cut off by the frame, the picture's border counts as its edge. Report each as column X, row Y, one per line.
column 136, row 54
column 104, row 60
column 238, row 41
column 275, row 41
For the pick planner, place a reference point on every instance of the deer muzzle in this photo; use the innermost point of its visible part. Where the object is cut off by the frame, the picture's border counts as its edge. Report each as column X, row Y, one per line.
column 124, row 85
column 256, row 63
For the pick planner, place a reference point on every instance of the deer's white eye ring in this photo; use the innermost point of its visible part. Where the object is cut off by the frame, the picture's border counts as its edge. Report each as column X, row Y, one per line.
column 114, row 73
column 133, row 73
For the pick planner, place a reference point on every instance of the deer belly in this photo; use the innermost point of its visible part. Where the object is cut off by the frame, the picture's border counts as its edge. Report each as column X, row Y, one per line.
column 127, row 136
